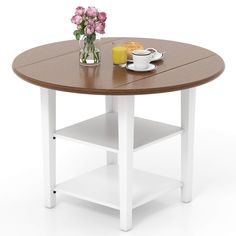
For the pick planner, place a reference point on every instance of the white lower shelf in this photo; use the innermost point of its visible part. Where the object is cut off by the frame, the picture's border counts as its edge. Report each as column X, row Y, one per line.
column 101, row 186
column 102, row 131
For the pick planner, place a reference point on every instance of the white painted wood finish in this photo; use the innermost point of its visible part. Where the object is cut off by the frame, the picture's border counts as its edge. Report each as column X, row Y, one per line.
column 48, row 109
column 187, row 141
column 120, row 134
column 111, row 106
column 101, row 186
column 102, row 132
column 125, row 156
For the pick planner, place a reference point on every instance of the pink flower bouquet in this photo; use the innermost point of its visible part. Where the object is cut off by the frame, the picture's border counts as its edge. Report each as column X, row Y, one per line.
column 89, row 22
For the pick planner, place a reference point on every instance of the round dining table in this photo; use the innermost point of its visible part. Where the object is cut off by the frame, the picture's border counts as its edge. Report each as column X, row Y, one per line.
column 55, row 67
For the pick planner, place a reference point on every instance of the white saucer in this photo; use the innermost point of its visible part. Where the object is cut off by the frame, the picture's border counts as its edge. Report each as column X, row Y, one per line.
column 155, row 56
column 150, row 67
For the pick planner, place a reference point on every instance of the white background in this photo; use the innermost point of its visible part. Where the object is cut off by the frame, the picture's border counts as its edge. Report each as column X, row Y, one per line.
column 29, row 23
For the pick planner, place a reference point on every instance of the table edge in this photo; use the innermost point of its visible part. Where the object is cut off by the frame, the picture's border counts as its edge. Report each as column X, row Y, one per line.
column 118, row 91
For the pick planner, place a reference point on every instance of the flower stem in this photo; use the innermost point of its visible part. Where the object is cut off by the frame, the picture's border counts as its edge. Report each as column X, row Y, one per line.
column 89, row 53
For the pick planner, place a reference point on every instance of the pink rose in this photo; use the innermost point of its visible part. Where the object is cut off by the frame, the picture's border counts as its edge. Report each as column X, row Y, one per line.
column 80, row 11
column 89, row 29
column 76, row 19
column 92, row 12
column 100, row 27
column 91, row 22
column 102, row 16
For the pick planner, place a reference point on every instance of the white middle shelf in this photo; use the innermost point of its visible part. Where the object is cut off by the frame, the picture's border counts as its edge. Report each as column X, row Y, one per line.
column 102, row 132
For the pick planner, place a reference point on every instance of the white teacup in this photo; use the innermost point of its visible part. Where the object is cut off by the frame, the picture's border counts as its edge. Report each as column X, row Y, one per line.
column 141, row 59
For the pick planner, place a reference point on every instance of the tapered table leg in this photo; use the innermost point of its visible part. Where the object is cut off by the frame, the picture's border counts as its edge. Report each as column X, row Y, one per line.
column 125, row 156
column 187, row 142
column 111, row 106
column 48, row 106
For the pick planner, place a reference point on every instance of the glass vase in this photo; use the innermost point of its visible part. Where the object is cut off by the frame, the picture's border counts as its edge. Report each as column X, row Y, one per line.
column 89, row 51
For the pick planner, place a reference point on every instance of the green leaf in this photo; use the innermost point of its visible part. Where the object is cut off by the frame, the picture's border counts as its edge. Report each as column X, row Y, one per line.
column 77, row 34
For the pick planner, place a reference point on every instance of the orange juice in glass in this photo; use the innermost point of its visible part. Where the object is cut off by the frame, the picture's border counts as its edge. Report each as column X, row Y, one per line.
column 119, row 55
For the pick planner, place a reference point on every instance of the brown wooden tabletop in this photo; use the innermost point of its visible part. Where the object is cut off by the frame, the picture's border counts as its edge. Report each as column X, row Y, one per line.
column 56, row 66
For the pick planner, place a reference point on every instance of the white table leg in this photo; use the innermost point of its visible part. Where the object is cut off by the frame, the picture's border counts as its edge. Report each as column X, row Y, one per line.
column 125, row 155
column 48, row 106
column 187, row 142
column 111, row 106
